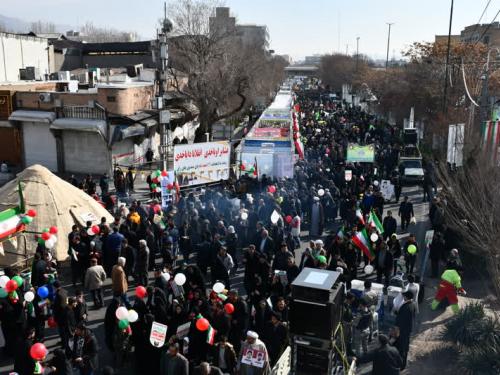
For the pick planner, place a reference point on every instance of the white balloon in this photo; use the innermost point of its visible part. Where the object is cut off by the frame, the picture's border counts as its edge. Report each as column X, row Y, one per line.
column 49, row 244
column 321, row 192
column 54, row 238
column 375, row 183
column 121, row 313
column 3, row 281
column 368, row 269
column 89, row 232
column 275, row 216
column 156, row 219
column 180, row 279
column 218, row 287
column 166, row 276
column 29, row 296
column 244, row 215
column 374, row 237
column 132, row 316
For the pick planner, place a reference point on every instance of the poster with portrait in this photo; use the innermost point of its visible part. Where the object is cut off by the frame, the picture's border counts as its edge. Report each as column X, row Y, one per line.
column 254, row 357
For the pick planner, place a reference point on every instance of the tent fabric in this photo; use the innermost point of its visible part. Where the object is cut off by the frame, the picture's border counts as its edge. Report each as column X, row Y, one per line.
column 36, row 116
column 57, row 202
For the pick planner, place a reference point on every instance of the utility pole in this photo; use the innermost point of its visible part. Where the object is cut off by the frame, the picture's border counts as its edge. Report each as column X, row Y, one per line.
column 160, row 56
column 388, row 43
column 357, row 53
column 445, row 93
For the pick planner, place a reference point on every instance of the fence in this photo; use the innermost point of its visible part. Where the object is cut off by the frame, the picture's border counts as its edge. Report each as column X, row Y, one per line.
column 282, row 367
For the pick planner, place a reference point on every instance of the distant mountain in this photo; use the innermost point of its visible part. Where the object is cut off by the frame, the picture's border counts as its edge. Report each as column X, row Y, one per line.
column 16, row 25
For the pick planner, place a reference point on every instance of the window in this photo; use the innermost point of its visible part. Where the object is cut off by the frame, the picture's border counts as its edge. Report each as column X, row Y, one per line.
column 111, row 99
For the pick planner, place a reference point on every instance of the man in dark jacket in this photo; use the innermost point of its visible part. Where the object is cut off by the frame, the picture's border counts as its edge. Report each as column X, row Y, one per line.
column 173, row 363
column 275, row 337
column 404, row 321
column 85, row 350
column 386, row 359
column 406, row 213
column 206, row 369
column 390, row 225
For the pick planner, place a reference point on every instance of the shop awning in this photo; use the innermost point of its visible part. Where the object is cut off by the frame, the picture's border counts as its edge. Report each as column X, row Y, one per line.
column 80, row 124
column 35, row 116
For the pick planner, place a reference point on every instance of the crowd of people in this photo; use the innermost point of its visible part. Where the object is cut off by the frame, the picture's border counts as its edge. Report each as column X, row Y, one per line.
column 229, row 235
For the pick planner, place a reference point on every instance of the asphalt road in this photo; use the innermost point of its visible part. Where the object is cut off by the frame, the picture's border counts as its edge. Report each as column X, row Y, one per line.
column 96, row 317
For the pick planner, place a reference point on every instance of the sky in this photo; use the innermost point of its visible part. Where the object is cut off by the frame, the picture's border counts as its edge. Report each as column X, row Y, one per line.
column 296, row 27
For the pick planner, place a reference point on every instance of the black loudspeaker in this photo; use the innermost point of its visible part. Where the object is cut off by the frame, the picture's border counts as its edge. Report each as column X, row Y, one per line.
column 316, row 319
column 311, row 361
column 315, row 285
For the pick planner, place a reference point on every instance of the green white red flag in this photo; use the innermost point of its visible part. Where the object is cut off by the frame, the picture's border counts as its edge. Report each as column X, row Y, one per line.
column 10, row 222
column 360, row 217
column 374, row 221
column 211, row 335
column 362, row 242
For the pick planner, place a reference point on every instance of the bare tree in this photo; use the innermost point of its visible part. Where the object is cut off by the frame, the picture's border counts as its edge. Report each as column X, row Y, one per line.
column 221, row 71
column 95, row 34
column 41, row 27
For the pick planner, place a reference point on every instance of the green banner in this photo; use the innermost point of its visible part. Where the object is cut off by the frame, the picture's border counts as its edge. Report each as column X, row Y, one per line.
column 360, row 154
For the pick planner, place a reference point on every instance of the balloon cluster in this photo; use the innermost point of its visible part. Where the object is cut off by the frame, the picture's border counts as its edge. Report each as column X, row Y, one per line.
column 219, row 289
column 125, row 317
column 28, row 217
column 48, row 237
column 155, row 181
column 8, row 287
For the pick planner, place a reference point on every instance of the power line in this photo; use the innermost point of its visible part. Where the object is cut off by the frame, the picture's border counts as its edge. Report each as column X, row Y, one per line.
column 480, row 18
column 487, row 28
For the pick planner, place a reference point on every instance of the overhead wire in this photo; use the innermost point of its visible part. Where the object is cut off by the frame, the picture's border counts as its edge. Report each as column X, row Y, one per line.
column 487, row 28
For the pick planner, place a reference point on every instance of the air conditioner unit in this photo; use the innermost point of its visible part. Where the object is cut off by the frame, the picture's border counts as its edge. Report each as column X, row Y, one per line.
column 45, row 97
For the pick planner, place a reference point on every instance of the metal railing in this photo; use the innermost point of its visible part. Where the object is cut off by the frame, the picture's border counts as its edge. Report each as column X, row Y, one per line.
column 83, row 112
column 283, row 366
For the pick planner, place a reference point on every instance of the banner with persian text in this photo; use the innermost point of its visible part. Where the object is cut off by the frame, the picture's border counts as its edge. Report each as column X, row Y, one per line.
column 202, row 163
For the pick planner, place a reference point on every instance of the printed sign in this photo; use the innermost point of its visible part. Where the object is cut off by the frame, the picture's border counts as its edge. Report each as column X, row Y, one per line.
column 201, row 163
column 348, row 175
column 254, row 357
column 387, row 189
column 158, row 334
column 183, row 330
column 166, row 194
column 360, row 154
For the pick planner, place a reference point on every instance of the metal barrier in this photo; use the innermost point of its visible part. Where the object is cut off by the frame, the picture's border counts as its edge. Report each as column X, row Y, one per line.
column 283, row 366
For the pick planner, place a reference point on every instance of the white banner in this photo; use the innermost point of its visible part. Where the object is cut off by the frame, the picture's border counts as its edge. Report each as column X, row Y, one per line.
column 158, row 334
column 167, row 195
column 201, row 163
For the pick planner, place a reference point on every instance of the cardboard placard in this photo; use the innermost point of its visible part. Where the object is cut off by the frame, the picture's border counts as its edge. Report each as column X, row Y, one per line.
column 158, row 334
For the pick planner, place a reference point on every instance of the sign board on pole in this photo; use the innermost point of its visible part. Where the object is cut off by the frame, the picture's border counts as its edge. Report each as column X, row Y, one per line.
column 387, row 189
column 158, row 334
column 183, row 330
column 454, row 154
column 202, row 163
column 167, row 195
column 360, row 154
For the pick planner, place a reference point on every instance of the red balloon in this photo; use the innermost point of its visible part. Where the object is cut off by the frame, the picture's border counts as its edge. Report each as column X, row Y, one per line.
column 38, row 351
column 229, row 307
column 202, row 324
column 95, row 229
column 288, row 219
column 53, row 230
column 242, row 167
column 170, row 186
column 51, row 322
column 45, row 236
column 157, row 208
column 164, row 173
column 31, row 213
column 271, row 189
column 140, row 292
column 11, row 286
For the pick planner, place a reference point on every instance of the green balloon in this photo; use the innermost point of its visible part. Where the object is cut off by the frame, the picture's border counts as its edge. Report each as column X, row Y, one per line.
column 153, row 186
column 18, row 279
column 46, row 230
column 157, row 173
column 27, row 219
column 41, row 241
column 3, row 293
column 123, row 324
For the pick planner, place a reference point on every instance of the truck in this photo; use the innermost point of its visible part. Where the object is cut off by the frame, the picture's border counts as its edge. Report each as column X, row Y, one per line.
column 411, row 170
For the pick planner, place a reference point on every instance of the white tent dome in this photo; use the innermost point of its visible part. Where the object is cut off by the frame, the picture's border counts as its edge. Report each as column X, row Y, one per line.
column 57, row 203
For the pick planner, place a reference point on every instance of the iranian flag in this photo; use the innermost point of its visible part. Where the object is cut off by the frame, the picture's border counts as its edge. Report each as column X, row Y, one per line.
column 360, row 217
column 211, row 335
column 10, row 222
column 374, row 220
column 341, row 233
column 362, row 242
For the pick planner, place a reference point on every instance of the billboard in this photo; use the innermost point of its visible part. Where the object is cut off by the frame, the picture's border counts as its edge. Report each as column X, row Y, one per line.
column 360, row 154
column 201, row 163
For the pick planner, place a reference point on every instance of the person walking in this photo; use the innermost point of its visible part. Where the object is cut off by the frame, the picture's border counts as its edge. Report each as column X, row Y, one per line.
column 404, row 321
column 119, row 282
column 142, row 263
column 406, row 213
column 94, row 279
column 386, row 359
column 173, row 363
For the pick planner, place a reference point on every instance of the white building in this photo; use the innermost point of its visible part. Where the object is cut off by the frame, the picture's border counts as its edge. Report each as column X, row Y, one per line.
column 18, row 52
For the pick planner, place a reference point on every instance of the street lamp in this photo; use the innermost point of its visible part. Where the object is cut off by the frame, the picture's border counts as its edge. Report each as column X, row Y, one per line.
column 388, row 42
